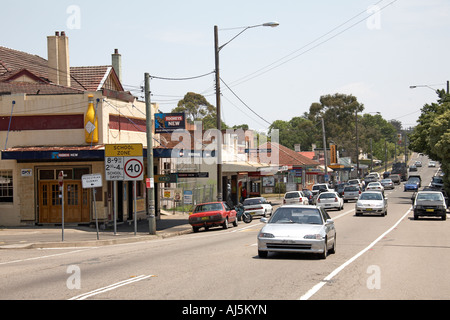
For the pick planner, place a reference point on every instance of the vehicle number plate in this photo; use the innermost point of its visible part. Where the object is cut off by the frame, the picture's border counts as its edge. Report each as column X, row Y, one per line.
column 368, row 209
column 205, row 218
column 430, row 210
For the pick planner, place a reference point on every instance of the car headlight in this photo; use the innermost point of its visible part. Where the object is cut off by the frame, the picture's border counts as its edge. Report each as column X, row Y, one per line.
column 313, row 236
column 266, row 235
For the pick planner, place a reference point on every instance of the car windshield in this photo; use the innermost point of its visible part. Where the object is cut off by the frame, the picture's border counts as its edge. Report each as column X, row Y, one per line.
column 292, row 195
column 208, row 207
column 386, row 181
column 374, row 184
column 371, row 196
column 248, row 202
column 429, row 197
column 319, row 187
column 353, row 181
column 354, row 188
column 297, row 215
column 413, row 180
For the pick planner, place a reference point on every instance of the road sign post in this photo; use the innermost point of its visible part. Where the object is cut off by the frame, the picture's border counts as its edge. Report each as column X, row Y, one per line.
column 92, row 181
column 124, row 162
column 61, row 187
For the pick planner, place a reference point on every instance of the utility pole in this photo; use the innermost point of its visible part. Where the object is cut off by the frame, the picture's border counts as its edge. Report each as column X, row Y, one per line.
column 325, row 149
column 219, row 121
column 150, row 172
column 357, row 144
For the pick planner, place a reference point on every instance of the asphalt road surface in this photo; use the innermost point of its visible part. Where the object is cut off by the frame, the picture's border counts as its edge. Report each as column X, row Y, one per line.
column 391, row 257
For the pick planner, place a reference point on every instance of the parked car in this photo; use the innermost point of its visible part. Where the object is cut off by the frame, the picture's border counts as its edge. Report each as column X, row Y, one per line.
column 412, row 184
column 387, row 184
column 371, row 202
column 437, row 182
column 258, row 206
column 351, row 192
column 212, row 214
column 430, row 204
column 412, row 168
column 396, row 178
column 375, row 186
column 295, row 197
column 298, row 228
column 432, row 164
column 418, row 164
column 330, row 200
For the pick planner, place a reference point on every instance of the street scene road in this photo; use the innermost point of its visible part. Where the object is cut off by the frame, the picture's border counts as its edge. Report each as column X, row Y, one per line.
column 391, row 257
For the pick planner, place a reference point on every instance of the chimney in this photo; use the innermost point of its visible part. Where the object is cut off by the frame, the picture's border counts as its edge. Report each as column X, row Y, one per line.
column 58, row 59
column 117, row 63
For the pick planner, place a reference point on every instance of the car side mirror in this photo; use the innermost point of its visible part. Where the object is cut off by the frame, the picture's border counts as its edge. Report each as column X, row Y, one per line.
column 264, row 220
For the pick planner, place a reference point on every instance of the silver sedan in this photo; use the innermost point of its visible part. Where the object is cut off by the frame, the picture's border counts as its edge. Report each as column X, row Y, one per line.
column 298, row 228
column 371, row 202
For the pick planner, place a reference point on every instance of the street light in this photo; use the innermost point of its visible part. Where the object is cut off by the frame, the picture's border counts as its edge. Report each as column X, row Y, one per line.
column 217, row 49
column 427, row 86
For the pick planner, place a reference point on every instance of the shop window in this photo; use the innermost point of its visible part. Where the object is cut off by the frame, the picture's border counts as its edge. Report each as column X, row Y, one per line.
column 6, row 186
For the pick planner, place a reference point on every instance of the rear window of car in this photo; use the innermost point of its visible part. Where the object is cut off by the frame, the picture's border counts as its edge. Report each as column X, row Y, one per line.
column 351, row 188
column 208, row 207
column 327, row 195
column 248, row 202
column 430, row 197
column 319, row 187
column 353, row 181
column 292, row 195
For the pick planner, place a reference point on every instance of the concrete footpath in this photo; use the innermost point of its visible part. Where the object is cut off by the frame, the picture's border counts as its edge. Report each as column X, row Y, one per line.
column 40, row 237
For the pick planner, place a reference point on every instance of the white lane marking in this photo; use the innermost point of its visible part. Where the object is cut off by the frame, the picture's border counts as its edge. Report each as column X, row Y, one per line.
column 318, row 286
column 110, row 287
column 43, row 257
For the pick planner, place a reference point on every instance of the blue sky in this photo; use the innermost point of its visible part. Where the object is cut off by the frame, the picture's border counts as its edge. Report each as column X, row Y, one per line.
column 376, row 58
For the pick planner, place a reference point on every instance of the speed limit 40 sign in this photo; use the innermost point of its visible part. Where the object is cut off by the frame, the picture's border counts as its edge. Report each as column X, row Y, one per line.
column 134, row 168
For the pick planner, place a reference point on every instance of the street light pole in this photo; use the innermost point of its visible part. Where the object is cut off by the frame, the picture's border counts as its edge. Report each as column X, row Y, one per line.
column 217, row 49
column 218, row 112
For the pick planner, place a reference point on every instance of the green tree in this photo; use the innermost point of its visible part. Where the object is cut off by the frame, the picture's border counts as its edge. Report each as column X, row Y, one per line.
column 432, row 133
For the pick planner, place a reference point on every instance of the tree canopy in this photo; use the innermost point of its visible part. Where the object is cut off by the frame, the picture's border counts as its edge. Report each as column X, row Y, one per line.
column 432, row 133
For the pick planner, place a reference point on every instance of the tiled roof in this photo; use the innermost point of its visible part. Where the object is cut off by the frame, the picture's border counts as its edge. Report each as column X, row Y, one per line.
column 82, row 78
column 12, row 60
column 88, row 78
column 288, row 157
column 35, row 88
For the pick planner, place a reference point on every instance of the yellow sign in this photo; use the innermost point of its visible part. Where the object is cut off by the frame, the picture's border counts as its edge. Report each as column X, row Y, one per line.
column 124, row 150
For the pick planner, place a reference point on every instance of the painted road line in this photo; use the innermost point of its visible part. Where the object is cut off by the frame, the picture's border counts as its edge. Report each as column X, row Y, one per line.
column 318, row 286
column 110, row 287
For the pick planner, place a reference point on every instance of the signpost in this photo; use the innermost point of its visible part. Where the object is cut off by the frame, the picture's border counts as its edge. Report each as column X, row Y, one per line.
column 92, row 181
column 61, row 188
column 124, row 162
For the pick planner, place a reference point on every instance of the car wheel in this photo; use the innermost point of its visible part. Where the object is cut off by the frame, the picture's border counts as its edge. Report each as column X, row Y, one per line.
column 225, row 224
column 444, row 217
column 195, row 229
column 235, row 222
column 323, row 255
column 333, row 249
column 262, row 254
column 416, row 217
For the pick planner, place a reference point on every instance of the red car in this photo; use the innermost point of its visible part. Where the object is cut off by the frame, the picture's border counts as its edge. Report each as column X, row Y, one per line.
column 212, row 214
